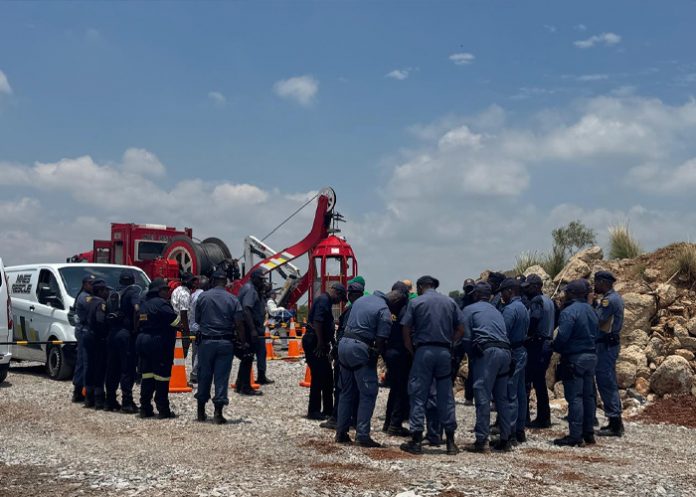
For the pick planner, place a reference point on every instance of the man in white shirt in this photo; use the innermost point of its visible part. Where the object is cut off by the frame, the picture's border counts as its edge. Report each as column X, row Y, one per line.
column 181, row 302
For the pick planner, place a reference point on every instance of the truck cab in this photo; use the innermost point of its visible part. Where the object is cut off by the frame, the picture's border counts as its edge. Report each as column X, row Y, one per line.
column 42, row 295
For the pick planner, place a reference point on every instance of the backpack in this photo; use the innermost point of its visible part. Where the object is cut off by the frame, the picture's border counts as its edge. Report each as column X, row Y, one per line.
column 115, row 313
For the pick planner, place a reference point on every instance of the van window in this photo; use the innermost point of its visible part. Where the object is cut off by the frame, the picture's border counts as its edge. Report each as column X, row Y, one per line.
column 72, row 277
column 46, row 278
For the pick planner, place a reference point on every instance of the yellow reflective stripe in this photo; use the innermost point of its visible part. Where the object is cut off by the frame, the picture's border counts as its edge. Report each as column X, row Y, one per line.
column 148, row 376
column 161, row 378
column 176, row 322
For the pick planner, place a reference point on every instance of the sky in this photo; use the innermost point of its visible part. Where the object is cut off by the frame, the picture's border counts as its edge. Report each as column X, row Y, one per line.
column 456, row 134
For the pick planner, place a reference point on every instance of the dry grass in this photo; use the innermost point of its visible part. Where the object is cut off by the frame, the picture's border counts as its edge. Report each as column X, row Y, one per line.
column 528, row 259
column 622, row 245
column 684, row 262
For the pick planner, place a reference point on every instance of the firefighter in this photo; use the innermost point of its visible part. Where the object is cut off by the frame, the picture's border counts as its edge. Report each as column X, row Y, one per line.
column 95, row 337
column 122, row 307
column 157, row 326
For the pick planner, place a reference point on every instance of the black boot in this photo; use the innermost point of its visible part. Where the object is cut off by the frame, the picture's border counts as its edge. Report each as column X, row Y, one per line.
column 218, row 418
column 329, row 424
column 615, row 428
column 368, row 443
column 342, row 438
column 567, row 441
column 99, row 401
column 112, row 405
column 539, row 424
column 521, row 437
column 452, row 448
column 415, row 445
column 128, row 406
column 477, row 447
column 502, row 445
column 89, row 399
column 201, row 416
column 263, row 380
column 249, row 391
column 589, row 438
column 398, row 431
column 77, row 395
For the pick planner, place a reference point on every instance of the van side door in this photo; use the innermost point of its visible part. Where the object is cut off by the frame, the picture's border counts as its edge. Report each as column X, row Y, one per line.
column 22, row 284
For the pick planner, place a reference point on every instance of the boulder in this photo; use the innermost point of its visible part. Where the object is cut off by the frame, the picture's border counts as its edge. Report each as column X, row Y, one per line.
column 590, row 255
column 688, row 343
column 691, row 326
column 643, row 372
column 651, row 275
column 666, row 295
column 551, row 371
column 654, row 349
column 634, row 355
column 626, row 374
column 638, row 311
column 686, row 354
column 642, row 386
column 558, row 390
column 575, row 269
column 539, row 271
column 673, row 376
column 636, row 337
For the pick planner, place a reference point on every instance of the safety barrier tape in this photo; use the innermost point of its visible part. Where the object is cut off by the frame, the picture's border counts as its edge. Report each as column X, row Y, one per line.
column 46, row 342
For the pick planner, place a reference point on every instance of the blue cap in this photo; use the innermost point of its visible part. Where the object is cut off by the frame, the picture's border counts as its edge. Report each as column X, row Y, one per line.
column 157, row 284
column 604, row 275
column 356, row 287
column 219, row 274
column 89, row 278
column 578, row 287
column 483, row 288
column 127, row 277
column 509, row 283
column 257, row 274
column 99, row 285
column 339, row 288
column 428, row 280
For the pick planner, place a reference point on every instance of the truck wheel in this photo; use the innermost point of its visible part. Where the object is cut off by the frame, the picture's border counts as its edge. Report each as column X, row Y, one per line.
column 56, row 365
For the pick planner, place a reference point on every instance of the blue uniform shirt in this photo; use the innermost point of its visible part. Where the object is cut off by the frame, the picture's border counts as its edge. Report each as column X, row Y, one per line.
column 432, row 317
column 516, row 319
column 158, row 317
column 342, row 322
column 370, row 317
column 130, row 297
column 322, row 312
column 82, row 307
column 578, row 328
column 611, row 306
column 217, row 311
column 541, row 314
column 483, row 323
column 249, row 298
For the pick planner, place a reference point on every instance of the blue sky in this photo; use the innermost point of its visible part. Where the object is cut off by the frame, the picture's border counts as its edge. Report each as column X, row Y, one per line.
column 207, row 89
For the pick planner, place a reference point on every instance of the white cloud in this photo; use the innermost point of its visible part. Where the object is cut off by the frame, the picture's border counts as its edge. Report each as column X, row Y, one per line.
column 140, row 161
column 462, row 58
column 399, row 74
column 217, row 98
column 302, row 89
column 4, row 84
column 550, row 28
column 607, row 39
column 580, row 27
column 592, row 77
column 656, row 178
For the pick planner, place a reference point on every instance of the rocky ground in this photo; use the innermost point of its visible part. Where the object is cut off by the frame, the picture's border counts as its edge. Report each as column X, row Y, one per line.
column 49, row 446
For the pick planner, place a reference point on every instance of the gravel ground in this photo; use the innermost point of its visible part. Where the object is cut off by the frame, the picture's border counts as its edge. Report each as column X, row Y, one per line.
column 49, row 446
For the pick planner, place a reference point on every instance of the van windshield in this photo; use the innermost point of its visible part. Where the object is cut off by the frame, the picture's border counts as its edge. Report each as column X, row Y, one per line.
column 72, row 277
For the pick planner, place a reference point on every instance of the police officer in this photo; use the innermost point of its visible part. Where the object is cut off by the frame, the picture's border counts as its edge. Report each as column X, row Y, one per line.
column 121, row 357
column 578, row 327
column 355, row 291
column 254, row 317
column 610, row 309
column 495, row 279
column 541, row 324
column 431, row 325
column 80, row 314
column 367, row 331
column 465, row 300
column 157, row 326
column 95, row 337
column 486, row 335
column 516, row 318
column 317, row 345
column 398, row 362
column 221, row 324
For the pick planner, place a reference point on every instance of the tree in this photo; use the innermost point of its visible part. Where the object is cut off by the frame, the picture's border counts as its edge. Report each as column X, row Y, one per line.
column 573, row 237
column 455, row 294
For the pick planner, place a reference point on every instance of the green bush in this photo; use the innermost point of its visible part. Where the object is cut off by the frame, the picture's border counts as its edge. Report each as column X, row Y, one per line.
column 555, row 261
column 526, row 260
column 622, row 245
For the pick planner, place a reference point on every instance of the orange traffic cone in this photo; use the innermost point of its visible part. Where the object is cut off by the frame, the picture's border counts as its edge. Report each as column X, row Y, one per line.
column 254, row 385
column 270, row 353
column 307, row 378
column 177, row 381
column 304, row 330
column 294, row 345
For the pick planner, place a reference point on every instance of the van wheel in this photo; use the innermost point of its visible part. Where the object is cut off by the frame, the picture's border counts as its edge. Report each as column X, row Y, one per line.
column 56, row 365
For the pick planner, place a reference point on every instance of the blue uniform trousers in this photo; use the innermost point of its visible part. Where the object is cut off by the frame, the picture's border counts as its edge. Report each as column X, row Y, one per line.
column 431, row 364
column 214, row 364
column 155, row 359
column 517, row 391
column 260, row 349
column 358, row 378
column 80, row 358
column 606, row 379
column 538, row 358
column 398, row 368
column 120, row 366
column 579, row 392
column 433, row 432
column 95, row 372
column 491, row 378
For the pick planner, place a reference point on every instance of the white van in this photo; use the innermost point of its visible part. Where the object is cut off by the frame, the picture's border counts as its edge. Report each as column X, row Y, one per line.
column 5, row 324
column 42, row 295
